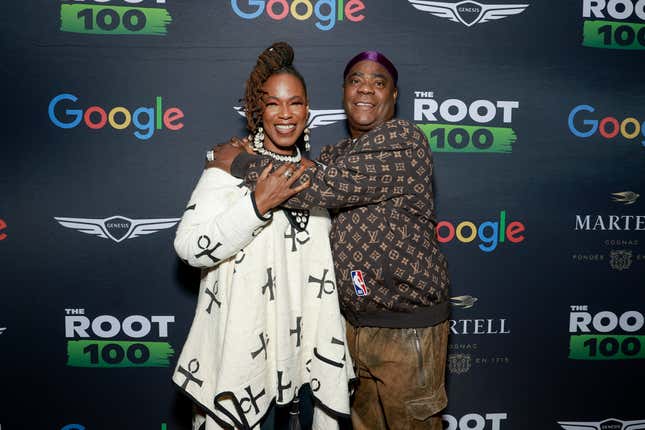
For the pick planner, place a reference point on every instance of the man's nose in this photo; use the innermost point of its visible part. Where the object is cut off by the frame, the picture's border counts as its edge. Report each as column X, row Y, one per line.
column 366, row 88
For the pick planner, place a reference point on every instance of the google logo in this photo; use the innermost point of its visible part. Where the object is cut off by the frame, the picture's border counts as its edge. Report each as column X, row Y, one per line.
column 608, row 127
column 145, row 119
column 326, row 11
column 490, row 233
column 3, row 225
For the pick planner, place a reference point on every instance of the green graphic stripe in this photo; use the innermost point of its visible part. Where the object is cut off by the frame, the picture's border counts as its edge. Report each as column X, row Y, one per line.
column 105, row 353
column 607, row 347
column 92, row 19
column 444, row 138
column 613, row 35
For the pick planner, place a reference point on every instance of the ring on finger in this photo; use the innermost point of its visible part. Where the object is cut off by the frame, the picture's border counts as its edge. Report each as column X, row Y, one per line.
column 288, row 173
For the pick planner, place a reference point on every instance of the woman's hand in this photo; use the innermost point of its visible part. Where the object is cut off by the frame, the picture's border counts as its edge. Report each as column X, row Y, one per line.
column 274, row 188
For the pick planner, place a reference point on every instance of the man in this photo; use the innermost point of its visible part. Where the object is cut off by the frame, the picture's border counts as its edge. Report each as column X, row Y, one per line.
column 392, row 278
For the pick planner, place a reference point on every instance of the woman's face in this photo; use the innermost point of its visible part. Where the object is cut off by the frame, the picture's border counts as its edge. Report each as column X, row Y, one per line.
column 285, row 112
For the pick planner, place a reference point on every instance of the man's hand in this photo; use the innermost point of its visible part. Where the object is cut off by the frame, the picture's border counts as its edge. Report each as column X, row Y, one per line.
column 244, row 144
column 274, row 188
column 307, row 162
column 224, row 154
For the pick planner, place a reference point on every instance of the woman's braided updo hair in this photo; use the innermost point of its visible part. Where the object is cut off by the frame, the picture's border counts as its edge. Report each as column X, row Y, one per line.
column 278, row 58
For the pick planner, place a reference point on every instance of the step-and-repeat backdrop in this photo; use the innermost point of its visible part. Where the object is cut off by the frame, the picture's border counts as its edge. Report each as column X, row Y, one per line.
column 535, row 113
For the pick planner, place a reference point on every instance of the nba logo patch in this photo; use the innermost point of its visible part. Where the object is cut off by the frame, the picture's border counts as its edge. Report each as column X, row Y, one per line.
column 359, row 283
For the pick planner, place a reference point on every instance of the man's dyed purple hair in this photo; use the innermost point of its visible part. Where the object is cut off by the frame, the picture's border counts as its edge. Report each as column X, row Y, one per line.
column 376, row 57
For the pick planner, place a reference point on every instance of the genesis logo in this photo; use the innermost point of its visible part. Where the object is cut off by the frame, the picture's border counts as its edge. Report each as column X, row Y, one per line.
column 468, row 13
column 117, row 228
column 610, row 424
column 625, row 197
column 317, row 118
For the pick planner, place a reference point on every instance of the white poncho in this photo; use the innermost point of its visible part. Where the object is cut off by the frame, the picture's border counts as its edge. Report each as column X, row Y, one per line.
column 267, row 318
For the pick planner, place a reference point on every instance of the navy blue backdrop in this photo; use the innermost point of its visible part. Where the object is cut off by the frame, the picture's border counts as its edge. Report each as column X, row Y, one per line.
column 535, row 113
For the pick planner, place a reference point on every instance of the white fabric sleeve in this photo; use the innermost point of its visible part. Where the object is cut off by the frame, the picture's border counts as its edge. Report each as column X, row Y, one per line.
column 219, row 221
column 323, row 421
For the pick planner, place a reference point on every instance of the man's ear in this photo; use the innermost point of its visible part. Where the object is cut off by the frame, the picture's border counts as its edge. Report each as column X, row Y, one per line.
column 396, row 94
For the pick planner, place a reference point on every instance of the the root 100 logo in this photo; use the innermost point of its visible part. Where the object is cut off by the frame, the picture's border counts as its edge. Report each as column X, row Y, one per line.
column 444, row 135
column 614, row 24
column 115, row 17
column 605, row 335
column 98, row 345
column 474, row 421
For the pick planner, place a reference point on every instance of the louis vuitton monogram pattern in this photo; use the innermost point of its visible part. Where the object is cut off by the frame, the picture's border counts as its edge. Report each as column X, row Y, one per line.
column 380, row 186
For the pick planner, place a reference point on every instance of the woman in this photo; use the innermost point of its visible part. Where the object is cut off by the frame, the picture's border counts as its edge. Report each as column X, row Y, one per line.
column 267, row 319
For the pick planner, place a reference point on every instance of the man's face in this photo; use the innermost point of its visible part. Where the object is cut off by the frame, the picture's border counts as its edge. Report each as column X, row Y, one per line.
column 369, row 96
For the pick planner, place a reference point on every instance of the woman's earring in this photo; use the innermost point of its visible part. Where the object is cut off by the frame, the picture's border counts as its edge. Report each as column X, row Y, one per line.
column 258, row 139
column 306, row 139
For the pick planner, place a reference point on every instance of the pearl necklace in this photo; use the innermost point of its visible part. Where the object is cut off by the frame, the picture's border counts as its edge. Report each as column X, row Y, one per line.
column 279, row 157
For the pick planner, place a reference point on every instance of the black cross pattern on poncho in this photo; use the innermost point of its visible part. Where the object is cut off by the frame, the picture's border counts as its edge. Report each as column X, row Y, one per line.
column 293, row 235
column 322, row 283
column 193, row 367
column 242, row 257
column 265, row 343
column 252, row 400
column 269, row 285
column 204, row 242
column 211, row 294
column 297, row 331
column 329, row 361
column 282, row 387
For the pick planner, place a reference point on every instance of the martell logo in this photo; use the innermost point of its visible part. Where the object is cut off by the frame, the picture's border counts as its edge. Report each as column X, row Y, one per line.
column 463, row 302
column 117, row 228
column 3, row 225
column 483, row 125
column 613, row 24
column 118, row 17
column 622, row 251
column 610, row 222
column 97, row 346
column 317, row 117
column 610, row 424
column 468, row 12
column 605, row 335
column 464, row 355
column 625, row 197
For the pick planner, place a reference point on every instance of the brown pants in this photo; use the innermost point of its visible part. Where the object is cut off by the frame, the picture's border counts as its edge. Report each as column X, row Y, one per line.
column 401, row 376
